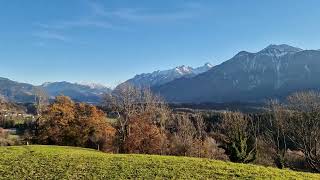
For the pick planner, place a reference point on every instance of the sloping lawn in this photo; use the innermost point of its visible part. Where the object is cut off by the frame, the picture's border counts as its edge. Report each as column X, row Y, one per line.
column 53, row 162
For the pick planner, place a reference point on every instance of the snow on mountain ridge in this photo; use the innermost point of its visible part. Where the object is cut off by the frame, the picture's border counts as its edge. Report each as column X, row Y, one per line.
column 283, row 48
column 87, row 84
column 279, row 50
column 272, row 50
column 202, row 69
column 93, row 85
column 184, row 70
column 161, row 77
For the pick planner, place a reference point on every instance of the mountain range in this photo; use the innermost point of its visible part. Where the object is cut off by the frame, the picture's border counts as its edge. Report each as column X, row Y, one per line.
column 273, row 72
column 25, row 93
column 158, row 78
column 90, row 93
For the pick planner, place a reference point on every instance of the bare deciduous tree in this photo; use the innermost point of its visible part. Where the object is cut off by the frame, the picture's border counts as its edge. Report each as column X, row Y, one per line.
column 183, row 133
column 276, row 129
column 41, row 100
column 304, row 125
column 130, row 102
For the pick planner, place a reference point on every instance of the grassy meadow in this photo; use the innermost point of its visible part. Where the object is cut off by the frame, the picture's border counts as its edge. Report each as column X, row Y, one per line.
column 53, row 162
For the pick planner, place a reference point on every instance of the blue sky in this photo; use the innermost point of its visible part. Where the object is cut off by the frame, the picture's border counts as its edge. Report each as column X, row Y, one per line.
column 109, row 41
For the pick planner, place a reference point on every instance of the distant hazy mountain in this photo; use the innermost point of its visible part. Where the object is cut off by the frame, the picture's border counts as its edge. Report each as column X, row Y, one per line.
column 15, row 91
column 274, row 71
column 157, row 78
column 90, row 93
column 25, row 93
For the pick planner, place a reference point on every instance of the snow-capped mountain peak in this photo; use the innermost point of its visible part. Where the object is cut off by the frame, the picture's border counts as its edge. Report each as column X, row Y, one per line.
column 46, row 84
column 85, row 92
column 279, row 50
column 206, row 67
column 93, row 85
column 183, row 70
column 283, row 48
column 161, row 77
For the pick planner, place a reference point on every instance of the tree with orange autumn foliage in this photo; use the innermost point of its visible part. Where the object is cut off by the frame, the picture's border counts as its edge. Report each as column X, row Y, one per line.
column 144, row 137
column 74, row 124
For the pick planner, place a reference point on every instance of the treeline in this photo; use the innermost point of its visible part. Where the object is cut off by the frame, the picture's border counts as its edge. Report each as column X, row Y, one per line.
column 136, row 121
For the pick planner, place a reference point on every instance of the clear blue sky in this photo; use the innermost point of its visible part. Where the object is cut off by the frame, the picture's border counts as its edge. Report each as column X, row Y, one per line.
column 109, row 41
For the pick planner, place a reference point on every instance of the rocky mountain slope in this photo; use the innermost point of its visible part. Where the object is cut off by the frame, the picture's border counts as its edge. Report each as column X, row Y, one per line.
column 273, row 72
column 15, row 91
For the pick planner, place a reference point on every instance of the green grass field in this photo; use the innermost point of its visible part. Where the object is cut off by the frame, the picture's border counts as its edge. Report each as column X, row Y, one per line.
column 52, row 162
